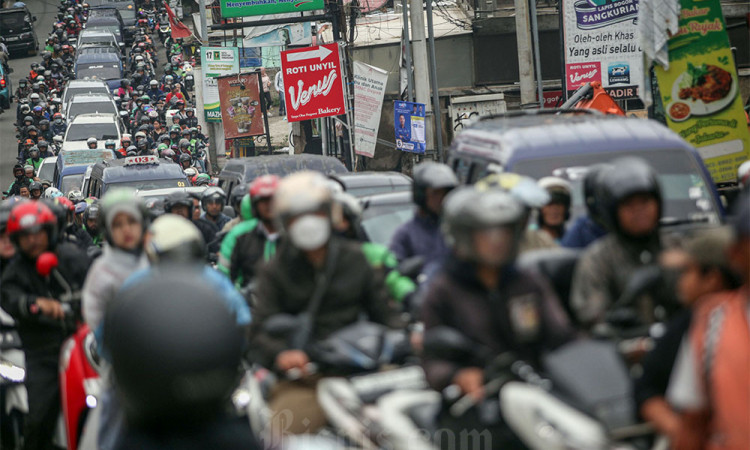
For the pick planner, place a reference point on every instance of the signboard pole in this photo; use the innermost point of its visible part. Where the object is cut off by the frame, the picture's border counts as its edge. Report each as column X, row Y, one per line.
column 265, row 111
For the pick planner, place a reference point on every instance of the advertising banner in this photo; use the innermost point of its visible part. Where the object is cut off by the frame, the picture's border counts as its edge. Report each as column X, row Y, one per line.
column 244, row 8
column 601, row 44
column 410, row 126
column 216, row 62
column 369, row 90
column 313, row 85
column 700, row 90
column 241, row 114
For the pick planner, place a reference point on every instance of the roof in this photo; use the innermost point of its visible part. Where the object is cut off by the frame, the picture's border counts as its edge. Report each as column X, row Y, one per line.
column 94, row 118
column 91, row 97
column 508, row 139
column 255, row 166
column 91, row 58
column 85, row 83
column 87, row 33
column 102, row 20
column 84, row 157
column 166, row 191
column 360, row 179
column 114, row 171
column 391, row 198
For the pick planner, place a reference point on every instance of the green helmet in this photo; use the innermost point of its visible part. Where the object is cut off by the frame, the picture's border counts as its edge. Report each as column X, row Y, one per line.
column 175, row 128
column 116, row 201
column 202, row 179
column 246, row 208
column 162, row 147
column 145, row 98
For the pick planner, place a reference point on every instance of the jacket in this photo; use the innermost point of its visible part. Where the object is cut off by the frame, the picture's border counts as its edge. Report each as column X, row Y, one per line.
column 420, row 236
column 104, row 280
column 22, row 285
column 251, row 249
column 287, row 282
column 524, row 316
column 582, row 233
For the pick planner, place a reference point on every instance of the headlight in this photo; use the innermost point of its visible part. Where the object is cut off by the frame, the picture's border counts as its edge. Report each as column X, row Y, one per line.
column 11, row 372
column 24, row 36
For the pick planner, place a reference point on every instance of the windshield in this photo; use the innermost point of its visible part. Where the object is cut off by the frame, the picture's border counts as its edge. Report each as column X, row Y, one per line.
column 147, row 185
column 97, row 49
column 127, row 14
column 686, row 195
column 47, row 171
column 106, row 71
column 71, row 92
column 114, row 29
column 71, row 182
column 380, row 222
column 14, row 22
column 365, row 191
column 100, row 40
column 77, row 108
column 81, row 132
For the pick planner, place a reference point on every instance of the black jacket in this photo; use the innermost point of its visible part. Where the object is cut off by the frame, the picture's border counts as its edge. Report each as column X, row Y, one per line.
column 21, row 285
column 523, row 317
column 287, row 282
column 249, row 251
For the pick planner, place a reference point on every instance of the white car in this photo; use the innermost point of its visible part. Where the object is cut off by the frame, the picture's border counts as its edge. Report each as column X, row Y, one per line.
column 90, row 104
column 46, row 169
column 100, row 126
column 76, row 87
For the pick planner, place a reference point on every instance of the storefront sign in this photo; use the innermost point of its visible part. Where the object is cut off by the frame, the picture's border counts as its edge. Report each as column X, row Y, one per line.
column 369, row 90
column 701, row 92
column 241, row 113
column 410, row 126
column 244, row 8
column 601, row 44
column 216, row 62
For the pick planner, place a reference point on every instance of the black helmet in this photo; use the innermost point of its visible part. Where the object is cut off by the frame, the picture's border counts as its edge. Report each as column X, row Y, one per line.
column 591, row 183
column 175, row 348
column 431, row 175
column 91, row 213
column 178, row 198
column 36, row 186
column 624, row 178
column 212, row 193
column 184, row 157
column 235, row 197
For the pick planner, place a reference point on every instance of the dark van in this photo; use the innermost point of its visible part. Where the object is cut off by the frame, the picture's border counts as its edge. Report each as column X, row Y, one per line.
column 142, row 173
column 16, row 26
column 540, row 144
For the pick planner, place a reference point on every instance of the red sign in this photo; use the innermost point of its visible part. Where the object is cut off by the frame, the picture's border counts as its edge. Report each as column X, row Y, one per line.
column 239, row 99
column 313, row 85
column 582, row 73
column 553, row 99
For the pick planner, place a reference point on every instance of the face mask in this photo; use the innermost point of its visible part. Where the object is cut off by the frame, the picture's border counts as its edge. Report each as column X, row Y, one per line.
column 310, row 232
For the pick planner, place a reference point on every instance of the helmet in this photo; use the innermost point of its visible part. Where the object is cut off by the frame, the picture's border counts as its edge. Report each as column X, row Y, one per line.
column 559, row 191
column 124, row 83
column 190, row 172
column 125, row 138
column 36, row 186
column 180, row 361
column 431, row 175
column 168, row 153
column 174, row 129
column 213, row 194
column 91, row 140
column 468, row 209
column 5, row 208
column 153, row 83
column 624, row 178
column 174, row 238
column 110, row 144
column 301, row 193
column 179, row 198
column 30, row 217
column 52, row 192
column 41, row 144
column 140, row 135
column 34, row 151
column 235, row 197
column 116, row 201
column 184, row 157
column 185, row 132
column 263, row 187
column 43, row 122
column 202, row 179
column 75, row 196
column 743, row 174
column 346, row 207
column 522, row 188
column 184, row 143
column 591, row 186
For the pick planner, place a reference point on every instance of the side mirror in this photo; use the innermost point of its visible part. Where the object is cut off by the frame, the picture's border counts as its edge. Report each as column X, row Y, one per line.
column 281, row 326
column 33, row 18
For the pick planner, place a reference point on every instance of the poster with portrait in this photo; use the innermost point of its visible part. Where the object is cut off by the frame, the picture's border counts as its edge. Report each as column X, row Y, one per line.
column 241, row 113
column 409, row 126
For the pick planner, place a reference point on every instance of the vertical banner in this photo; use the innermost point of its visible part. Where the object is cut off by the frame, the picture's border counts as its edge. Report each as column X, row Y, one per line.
column 410, row 126
column 369, row 90
column 700, row 90
column 601, row 44
column 216, row 62
column 241, row 114
column 313, row 85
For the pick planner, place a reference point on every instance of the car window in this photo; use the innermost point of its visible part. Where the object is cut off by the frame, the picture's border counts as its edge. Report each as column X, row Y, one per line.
column 365, row 191
column 71, row 182
column 77, row 108
column 81, row 132
column 72, row 91
column 380, row 222
column 46, row 172
column 686, row 195
column 105, row 71
column 146, row 185
column 14, row 22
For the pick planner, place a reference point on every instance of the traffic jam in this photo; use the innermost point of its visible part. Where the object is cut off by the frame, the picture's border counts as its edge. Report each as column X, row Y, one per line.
column 278, row 244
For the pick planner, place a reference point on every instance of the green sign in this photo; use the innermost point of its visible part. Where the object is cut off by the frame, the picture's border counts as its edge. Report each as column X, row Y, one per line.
column 243, row 8
column 216, row 62
column 701, row 92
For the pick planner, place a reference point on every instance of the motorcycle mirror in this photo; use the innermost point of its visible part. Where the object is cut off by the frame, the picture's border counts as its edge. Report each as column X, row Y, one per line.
column 642, row 281
column 281, row 325
column 46, row 263
column 448, row 342
column 412, row 267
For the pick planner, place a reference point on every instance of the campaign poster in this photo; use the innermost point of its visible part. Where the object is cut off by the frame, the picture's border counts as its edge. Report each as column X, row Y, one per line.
column 241, row 113
column 369, row 90
column 410, row 126
column 216, row 62
column 601, row 44
column 700, row 91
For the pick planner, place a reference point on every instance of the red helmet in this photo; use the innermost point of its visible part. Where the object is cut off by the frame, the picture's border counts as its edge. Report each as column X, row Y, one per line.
column 29, row 217
column 264, row 187
column 65, row 203
column 57, row 116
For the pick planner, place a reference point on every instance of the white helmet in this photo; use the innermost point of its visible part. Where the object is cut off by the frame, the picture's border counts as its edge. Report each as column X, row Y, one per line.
column 52, row 192
column 176, row 238
column 91, row 140
column 300, row 193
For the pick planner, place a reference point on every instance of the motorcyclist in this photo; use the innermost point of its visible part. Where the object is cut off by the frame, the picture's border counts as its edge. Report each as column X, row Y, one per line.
column 179, row 203
column 124, row 89
column 483, row 295
column 44, row 130
column 34, row 159
column 630, row 199
column 20, row 180
column 588, row 228
column 7, row 250
column 92, row 143
column 154, row 92
column 553, row 216
column 349, row 289
column 36, row 190
column 44, row 151
column 34, row 302
column 91, row 223
column 186, row 161
column 235, row 201
column 213, row 218
column 421, row 236
column 70, row 231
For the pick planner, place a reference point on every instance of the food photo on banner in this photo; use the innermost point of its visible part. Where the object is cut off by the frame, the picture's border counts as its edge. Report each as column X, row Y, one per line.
column 409, row 126
column 241, row 114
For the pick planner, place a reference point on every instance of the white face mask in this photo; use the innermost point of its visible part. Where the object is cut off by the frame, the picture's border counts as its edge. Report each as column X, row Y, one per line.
column 310, row 232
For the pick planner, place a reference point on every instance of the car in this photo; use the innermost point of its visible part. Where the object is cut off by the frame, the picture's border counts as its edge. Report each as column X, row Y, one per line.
column 17, row 27
column 127, row 11
column 363, row 184
column 566, row 144
column 100, row 126
column 105, row 11
column 76, row 87
column 107, row 23
column 6, row 89
column 244, row 170
column 96, row 37
column 71, row 165
column 383, row 214
column 142, row 173
column 99, row 66
column 92, row 48
column 162, row 194
column 90, row 104
column 46, row 169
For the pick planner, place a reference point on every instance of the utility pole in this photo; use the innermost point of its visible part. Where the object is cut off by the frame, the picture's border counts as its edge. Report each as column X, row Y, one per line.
column 214, row 129
column 407, row 51
column 434, row 83
column 525, row 55
column 421, row 72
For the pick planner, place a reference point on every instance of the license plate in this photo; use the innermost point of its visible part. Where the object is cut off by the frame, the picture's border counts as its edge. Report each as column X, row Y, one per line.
column 12, row 38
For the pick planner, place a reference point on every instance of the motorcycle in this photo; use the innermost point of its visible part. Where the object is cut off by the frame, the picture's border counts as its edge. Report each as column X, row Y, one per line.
column 14, row 403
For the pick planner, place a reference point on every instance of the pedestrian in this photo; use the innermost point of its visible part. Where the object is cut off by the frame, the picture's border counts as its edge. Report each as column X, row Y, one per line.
column 266, row 81
column 279, row 84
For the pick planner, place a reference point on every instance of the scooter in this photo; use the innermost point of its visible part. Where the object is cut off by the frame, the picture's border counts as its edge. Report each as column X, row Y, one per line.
column 14, row 402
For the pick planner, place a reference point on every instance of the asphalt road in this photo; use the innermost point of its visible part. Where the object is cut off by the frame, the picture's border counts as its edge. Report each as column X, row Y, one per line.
column 45, row 12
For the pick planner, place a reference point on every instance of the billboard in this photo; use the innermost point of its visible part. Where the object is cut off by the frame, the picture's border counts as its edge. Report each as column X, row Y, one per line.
column 241, row 113
column 601, row 44
column 216, row 62
column 369, row 90
column 408, row 119
column 244, row 8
